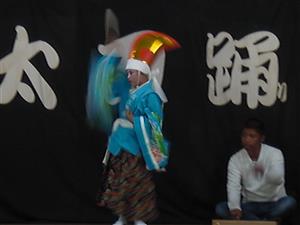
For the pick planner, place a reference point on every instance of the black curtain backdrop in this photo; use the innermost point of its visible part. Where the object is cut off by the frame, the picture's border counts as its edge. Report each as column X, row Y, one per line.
column 50, row 159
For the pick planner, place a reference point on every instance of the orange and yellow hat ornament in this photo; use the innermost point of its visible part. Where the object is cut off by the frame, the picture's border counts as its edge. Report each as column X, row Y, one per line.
column 146, row 46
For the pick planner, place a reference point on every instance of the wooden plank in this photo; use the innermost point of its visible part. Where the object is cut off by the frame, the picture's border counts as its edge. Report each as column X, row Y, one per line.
column 243, row 222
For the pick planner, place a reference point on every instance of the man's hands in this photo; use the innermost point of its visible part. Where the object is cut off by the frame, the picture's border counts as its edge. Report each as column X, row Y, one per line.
column 259, row 170
column 236, row 214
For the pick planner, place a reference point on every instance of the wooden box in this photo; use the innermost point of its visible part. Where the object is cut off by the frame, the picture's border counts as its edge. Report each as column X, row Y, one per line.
column 243, row 222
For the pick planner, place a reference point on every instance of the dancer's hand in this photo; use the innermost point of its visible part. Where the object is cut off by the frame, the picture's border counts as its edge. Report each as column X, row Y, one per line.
column 129, row 116
column 162, row 170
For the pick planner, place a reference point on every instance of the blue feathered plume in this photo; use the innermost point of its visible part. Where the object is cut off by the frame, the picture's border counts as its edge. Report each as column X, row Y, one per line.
column 100, row 100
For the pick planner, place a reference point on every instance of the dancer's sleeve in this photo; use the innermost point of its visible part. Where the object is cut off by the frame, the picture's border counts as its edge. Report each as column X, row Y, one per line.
column 148, row 127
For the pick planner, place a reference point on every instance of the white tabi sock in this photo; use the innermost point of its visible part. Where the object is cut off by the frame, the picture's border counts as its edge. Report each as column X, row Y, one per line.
column 120, row 221
column 139, row 222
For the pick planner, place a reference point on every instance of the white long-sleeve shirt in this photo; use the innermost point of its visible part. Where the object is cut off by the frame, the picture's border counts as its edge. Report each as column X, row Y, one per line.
column 243, row 180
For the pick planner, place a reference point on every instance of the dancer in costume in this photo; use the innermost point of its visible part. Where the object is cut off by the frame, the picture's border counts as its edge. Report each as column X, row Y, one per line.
column 136, row 145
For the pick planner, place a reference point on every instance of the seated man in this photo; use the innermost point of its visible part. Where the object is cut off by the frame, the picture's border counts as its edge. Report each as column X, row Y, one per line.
column 255, row 179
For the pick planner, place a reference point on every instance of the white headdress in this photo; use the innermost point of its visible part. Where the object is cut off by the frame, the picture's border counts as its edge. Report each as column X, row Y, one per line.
column 145, row 48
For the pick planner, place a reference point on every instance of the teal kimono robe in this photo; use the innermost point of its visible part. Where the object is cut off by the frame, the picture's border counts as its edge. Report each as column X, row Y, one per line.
column 143, row 136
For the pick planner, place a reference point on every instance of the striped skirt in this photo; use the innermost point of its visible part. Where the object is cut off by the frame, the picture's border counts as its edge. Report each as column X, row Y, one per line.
column 128, row 188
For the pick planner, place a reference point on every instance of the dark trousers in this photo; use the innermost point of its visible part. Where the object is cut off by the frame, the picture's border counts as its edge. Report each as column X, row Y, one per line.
column 260, row 210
